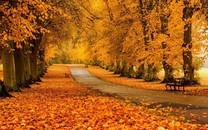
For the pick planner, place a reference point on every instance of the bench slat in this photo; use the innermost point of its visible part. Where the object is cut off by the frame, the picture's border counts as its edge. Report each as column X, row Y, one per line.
column 178, row 82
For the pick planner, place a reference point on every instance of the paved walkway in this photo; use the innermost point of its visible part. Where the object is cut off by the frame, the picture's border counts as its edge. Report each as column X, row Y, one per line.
column 150, row 98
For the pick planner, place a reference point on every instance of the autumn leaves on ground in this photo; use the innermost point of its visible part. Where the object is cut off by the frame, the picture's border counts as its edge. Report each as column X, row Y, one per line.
column 59, row 102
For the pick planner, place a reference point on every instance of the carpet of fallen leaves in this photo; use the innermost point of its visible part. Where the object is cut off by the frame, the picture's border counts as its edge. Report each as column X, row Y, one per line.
column 59, row 102
column 140, row 83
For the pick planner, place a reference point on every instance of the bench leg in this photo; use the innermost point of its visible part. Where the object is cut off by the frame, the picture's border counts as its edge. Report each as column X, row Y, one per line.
column 166, row 86
column 174, row 88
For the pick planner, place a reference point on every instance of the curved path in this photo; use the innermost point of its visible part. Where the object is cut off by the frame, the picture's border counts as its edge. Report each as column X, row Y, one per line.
column 150, row 98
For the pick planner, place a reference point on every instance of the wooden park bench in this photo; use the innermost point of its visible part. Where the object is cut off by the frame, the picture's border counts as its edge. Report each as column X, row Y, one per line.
column 177, row 83
column 86, row 65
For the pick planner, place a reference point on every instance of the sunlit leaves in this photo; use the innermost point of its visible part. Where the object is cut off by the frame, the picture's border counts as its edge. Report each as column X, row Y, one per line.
column 124, row 40
column 22, row 19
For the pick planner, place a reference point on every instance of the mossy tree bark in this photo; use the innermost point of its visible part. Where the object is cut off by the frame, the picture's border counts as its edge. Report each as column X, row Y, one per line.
column 111, row 67
column 42, row 64
column 20, row 68
column 140, row 72
column 124, row 69
column 27, row 72
column 131, row 73
column 34, row 58
column 34, row 67
column 151, row 73
column 9, row 70
column 117, row 67
column 42, row 67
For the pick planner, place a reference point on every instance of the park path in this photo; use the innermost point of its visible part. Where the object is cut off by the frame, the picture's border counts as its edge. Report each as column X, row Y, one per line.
column 194, row 104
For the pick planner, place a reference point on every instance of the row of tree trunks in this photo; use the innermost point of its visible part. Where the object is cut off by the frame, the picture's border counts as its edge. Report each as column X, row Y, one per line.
column 17, row 68
column 132, row 71
column 20, row 67
column 9, row 70
column 147, row 71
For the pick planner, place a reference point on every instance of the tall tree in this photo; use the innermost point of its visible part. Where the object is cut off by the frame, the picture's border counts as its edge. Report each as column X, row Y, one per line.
column 146, row 6
column 20, row 68
column 164, row 15
column 187, row 44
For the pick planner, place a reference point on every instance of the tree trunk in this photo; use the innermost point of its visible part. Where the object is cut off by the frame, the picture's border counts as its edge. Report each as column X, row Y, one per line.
column 187, row 45
column 27, row 73
column 9, row 71
column 20, row 69
column 168, row 77
column 150, row 74
column 26, row 61
column 117, row 68
column 164, row 30
column 42, row 64
column 140, row 72
column 145, row 8
column 131, row 73
column 111, row 67
column 34, row 67
column 124, row 72
column 34, row 57
column 3, row 91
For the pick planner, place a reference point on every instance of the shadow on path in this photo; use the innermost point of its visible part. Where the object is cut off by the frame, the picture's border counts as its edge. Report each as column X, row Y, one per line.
column 194, row 105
